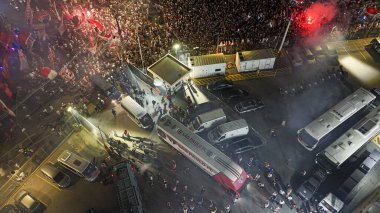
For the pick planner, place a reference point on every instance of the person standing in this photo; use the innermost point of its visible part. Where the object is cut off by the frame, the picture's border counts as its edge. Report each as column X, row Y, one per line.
column 113, row 112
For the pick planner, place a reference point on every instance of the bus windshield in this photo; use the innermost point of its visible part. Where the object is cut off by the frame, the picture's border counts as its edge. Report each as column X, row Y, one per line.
column 90, row 169
column 146, row 121
column 307, row 139
column 325, row 163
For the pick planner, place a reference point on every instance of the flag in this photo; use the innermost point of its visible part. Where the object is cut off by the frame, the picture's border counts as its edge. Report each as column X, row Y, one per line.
column 66, row 74
column 24, row 66
column 4, row 108
column 67, row 14
column 28, row 13
column 55, row 10
column 5, row 71
column 8, row 92
column 48, row 73
column 96, row 23
column 51, row 55
column 61, row 28
column 43, row 16
column 30, row 41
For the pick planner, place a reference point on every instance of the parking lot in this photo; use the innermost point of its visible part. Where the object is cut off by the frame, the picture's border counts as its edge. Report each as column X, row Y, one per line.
column 81, row 195
column 310, row 91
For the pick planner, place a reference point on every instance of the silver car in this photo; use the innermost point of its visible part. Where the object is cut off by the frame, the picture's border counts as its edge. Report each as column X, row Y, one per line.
column 56, row 175
column 28, row 203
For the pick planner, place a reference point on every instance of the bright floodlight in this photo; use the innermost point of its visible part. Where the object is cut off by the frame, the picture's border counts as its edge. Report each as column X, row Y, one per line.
column 69, row 109
column 176, row 46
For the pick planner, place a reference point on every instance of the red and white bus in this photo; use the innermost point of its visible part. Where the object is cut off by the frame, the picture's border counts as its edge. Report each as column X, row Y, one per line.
column 207, row 157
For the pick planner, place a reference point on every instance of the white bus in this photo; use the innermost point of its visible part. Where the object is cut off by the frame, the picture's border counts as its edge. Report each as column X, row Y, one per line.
column 203, row 154
column 317, row 131
column 137, row 113
column 346, row 145
column 79, row 165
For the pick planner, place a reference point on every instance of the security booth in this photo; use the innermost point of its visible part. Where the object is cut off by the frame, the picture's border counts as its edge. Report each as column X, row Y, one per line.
column 169, row 72
column 207, row 65
column 255, row 60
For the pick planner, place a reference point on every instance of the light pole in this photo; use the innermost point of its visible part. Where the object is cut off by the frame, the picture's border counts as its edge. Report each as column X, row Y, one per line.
column 176, row 48
column 285, row 34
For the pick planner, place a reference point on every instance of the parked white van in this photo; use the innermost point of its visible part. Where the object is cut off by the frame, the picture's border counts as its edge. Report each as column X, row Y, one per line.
column 331, row 204
column 208, row 120
column 137, row 113
column 228, row 130
column 79, row 165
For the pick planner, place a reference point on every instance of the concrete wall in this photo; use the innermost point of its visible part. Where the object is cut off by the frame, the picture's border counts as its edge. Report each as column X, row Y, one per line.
column 208, row 70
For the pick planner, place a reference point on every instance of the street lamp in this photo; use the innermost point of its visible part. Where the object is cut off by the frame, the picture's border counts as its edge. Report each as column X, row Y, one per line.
column 176, row 48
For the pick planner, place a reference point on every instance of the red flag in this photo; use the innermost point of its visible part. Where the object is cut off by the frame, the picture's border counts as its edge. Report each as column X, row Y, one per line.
column 48, row 73
column 8, row 92
column 4, row 108
column 66, row 74
column 61, row 28
column 67, row 14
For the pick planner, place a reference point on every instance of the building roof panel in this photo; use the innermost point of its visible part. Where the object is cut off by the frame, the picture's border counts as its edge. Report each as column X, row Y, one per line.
column 257, row 54
column 169, row 69
column 203, row 60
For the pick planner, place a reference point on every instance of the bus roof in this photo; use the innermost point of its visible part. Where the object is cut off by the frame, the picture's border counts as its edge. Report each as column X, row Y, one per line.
column 339, row 113
column 133, row 107
column 347, row 144
column 198, row 146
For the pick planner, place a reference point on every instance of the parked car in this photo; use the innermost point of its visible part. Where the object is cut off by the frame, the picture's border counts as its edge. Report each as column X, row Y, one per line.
column 219, row 85
column 229, row 94
column 241, row 146
column 249, row 105
column 28, row 203
column 10, row 209
column 311, row 185
column 56, row 175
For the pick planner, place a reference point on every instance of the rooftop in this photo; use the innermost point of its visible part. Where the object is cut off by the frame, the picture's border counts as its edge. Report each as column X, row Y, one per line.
column 256, row 54
column 208, row 59
column 169, row 69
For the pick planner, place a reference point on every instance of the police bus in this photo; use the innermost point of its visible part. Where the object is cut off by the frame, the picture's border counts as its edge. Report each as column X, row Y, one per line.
column 137, row 113
column 318, row 130
column 207, row 157
column 351, row 141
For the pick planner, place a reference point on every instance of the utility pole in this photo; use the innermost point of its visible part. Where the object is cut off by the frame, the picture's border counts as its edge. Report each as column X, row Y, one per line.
column 115, row 12
column 286, row 33
column 141, row 56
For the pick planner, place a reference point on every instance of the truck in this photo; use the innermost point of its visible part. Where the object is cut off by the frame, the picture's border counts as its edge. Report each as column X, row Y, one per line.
column 208, row 120
column 228, row 130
